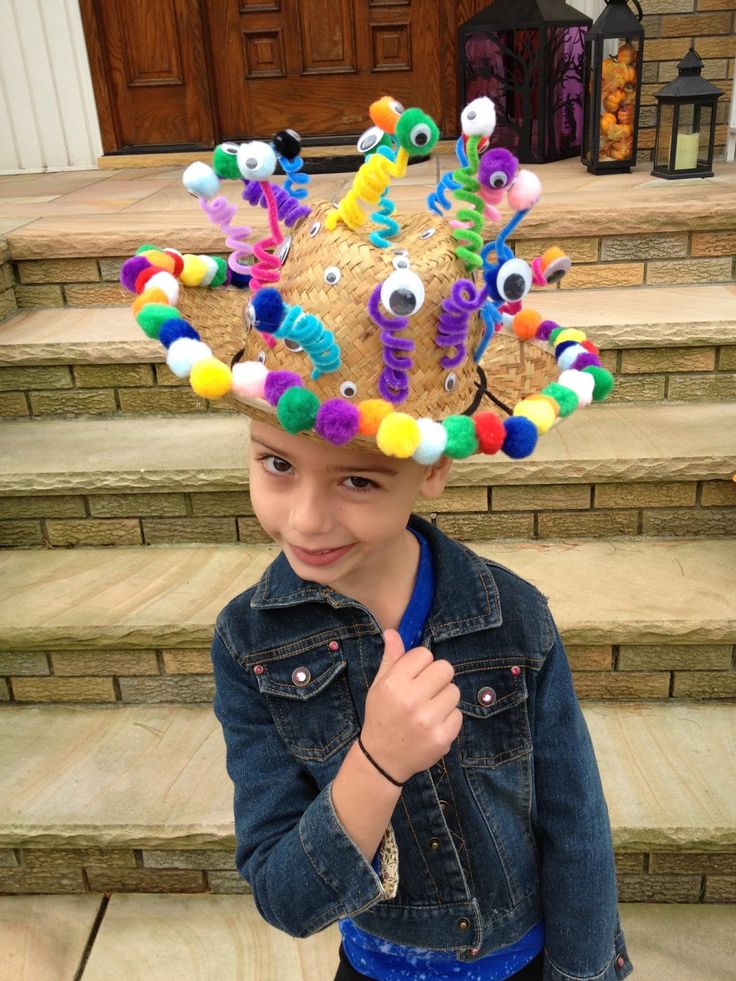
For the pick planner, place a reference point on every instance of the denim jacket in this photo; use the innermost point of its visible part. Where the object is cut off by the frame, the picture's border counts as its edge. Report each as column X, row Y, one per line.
column 509, row 828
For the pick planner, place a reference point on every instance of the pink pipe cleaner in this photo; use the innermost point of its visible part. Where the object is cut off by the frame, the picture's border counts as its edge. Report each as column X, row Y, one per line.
column 267, row 269
column 394, row 381
column 452, row 327
column 221, row 212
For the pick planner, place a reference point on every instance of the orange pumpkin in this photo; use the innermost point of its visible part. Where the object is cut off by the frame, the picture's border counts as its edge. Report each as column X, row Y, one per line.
column 626, row 54
column 626, row 114
column 607, row 121
column 613, row 100
column 630, row 75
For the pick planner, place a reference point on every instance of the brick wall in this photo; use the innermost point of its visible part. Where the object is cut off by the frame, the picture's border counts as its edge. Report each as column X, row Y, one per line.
column 670, row 26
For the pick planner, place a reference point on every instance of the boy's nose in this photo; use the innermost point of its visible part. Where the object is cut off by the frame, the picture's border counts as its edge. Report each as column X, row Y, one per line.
column 311, row 512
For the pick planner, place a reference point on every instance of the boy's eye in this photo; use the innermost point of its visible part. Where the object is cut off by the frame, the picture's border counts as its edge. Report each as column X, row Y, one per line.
column 359, row 483
column 275, row 464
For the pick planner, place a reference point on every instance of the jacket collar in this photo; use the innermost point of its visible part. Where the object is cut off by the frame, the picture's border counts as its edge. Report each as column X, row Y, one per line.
column 466, row 596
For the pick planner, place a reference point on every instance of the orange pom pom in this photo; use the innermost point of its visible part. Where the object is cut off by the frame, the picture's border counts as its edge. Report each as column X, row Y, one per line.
column 549, row 255
column 371, row 414
column 385, row 114
column 154, row 295
column 526, row 323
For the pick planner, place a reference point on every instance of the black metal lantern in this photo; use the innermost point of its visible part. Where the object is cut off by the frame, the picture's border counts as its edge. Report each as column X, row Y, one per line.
column 613, row 58
column 527, row 55
column 686, row 123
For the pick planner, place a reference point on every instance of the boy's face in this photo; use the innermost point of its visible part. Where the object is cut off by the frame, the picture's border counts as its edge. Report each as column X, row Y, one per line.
column 338, row 513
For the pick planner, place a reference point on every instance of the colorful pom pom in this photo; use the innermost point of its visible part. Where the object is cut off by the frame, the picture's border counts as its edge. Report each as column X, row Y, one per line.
column 461, row 437
column 586, row 360
column 570, row 334
column 130, row 270
column 372, row 412
column 141, row 280
column 590, row 346
column 526, row 323
column 211, row 268
column 184, row 353
column 153, row 315
column 160, row 259
column 278, row 382
column 490, row 432
column 177, row 260
column 545, row 329
column 537, row 411
column 525, row 191
column 603, row 382
column 567, row 358
column 210, row 378
column 541, row 397
column 432, row 442
column 249, row 379
column 398, row 435
column 564, row 346
column 268, row 308
column 554, row 334
column 171, row 330
column 297, row 409
column 564, row 397
column 221, row 274
column 148, row 296
column 147, row 247
column 193, row 271
column 337, row 421
column 166, row 282
column 201, row 180
column 521, row 437
column 581, row 383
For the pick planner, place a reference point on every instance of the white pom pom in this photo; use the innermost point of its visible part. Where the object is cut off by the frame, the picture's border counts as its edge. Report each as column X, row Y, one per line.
column 201, row 180
column 249, row 379
column 169, row 284
column 478, row 118
column 212, row 270
column 432, row 443
column 580, row 382
column 184, row 353
column 568, row 356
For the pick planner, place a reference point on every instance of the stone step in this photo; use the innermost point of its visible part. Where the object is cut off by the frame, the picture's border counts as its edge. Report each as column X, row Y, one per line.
column 672, row 343
column 640, row 469
column 136, row 799
column 144, row 937
column 644, row 619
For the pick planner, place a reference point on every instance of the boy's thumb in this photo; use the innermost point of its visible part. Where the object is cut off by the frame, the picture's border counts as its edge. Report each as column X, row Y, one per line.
column 393, row 649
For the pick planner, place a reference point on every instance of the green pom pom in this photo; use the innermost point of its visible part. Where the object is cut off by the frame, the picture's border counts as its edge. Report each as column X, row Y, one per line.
column 462, row 440
column 296, row 410
column 225, row 164
column 564, row 397
column 148, row 248
column 151, row 317
column 554, row 334
column 603, row 382
column 221, row 275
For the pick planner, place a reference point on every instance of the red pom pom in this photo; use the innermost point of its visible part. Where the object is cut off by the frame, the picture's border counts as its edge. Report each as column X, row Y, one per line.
column 590, row 346
column 142, row 278
column 178, row 261
column 490, row 432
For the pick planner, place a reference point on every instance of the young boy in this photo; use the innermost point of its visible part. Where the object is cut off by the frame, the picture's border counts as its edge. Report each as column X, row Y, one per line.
column 408, row 755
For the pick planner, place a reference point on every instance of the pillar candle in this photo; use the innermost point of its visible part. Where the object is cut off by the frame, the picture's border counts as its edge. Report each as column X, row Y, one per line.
column 686, row 154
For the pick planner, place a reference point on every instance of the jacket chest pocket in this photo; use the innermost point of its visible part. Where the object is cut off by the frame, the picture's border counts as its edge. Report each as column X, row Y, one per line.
column 310, row 702
column 495, row 726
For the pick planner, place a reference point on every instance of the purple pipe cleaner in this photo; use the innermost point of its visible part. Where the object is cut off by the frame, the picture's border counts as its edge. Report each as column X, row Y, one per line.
column 289, row 208
column 393, row 384
column 221, row 212
column 452, row 328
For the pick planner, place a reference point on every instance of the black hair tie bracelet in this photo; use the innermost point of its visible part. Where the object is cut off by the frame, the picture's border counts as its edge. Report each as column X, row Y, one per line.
column 379, row 768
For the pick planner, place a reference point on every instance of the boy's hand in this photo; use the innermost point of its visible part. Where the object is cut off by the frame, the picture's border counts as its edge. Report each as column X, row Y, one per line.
column 411, row 713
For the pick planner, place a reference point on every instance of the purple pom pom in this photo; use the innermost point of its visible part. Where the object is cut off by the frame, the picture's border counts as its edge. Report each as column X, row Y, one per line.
column 131, row 269
column 585, row 361
column 497, row 161
column 521, row 437
column 545, row 329
column 277, row 382
column 337, row 421
column 172, row 330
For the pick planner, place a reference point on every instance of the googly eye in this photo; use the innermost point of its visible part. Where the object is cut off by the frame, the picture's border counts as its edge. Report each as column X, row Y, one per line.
column 249, row 316
column 402, row 293
column 225, row 161
column 478, row 118
column 385, row 113
column 370, row 139
column 314, row 228
column 498, row 180
column 292, row 345
column 282, row 249
column 256, row 160
column 261, row 357
column 287, row 143
column 348, row 390
column 427, row 233
column 451, row 382
column 231, row 148
column 557, row 269
column 420, row 135
column 401, row 262
column 514, row 280
column 332, row 275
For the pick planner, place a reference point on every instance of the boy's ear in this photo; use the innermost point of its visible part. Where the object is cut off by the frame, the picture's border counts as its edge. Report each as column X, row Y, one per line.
column 435, row 478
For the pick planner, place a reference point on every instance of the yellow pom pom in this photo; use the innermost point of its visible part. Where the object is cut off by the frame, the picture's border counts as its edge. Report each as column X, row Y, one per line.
column 154, row 295
column 372, row 413
column 525, row 324
column 194, row 271
column 398, row 435
column 160, row 259
column 537, row 411
column 570, row 334
column 210, row 378
column 555, row 406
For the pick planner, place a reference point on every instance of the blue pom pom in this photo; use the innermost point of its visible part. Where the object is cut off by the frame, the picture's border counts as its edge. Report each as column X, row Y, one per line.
column 559, row 348
column 201, row 180
column 172, row 330
column 241, row 280
column 521, row 437
column 269, row 309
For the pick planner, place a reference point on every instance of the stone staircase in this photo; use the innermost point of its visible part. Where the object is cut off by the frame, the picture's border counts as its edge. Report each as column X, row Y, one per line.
column 121, row 544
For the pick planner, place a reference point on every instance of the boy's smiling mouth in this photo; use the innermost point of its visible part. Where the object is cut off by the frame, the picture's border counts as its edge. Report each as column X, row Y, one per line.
column 323, row 556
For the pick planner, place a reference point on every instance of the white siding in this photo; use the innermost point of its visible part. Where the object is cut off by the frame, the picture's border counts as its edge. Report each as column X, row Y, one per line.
column 48, row 118
column 593, row 8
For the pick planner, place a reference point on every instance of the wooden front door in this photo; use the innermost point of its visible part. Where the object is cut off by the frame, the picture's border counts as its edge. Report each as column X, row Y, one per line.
column 316, row 65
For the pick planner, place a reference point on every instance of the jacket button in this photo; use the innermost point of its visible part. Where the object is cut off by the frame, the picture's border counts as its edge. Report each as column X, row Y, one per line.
column 516, row 671
column 334, row 645
column 258, row 669
column 473, row 951
column 434, row 844
column 620, row 960
column 463, row 924
column 301, row 677
column 486, row 696
column 443, row 805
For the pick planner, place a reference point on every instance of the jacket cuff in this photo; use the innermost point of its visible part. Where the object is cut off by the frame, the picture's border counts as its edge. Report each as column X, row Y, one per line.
column 336, row 858
column 618, row 968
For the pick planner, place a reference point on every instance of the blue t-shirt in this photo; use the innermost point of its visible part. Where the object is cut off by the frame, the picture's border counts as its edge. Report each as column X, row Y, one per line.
column 386, row 961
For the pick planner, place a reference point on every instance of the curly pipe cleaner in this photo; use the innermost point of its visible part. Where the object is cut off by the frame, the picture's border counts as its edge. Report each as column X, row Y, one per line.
column 393, row 384
column 382, row 216
column 294, row 175
column 369, row 183
column 289, row 209
column 221, row 212
column 470, row 238
column 493, row 321
column 309, row 332
column 437, row 200
column 452, row 328
column 267, row 268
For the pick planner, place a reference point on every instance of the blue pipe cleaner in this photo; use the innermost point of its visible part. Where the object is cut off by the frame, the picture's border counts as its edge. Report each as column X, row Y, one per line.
column 437, row 200
column 295, row 175
column 386, row 207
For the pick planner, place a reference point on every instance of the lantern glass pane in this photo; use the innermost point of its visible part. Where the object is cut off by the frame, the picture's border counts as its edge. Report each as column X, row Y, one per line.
column 619, row 85
column 565, row 53
column 664, row 137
